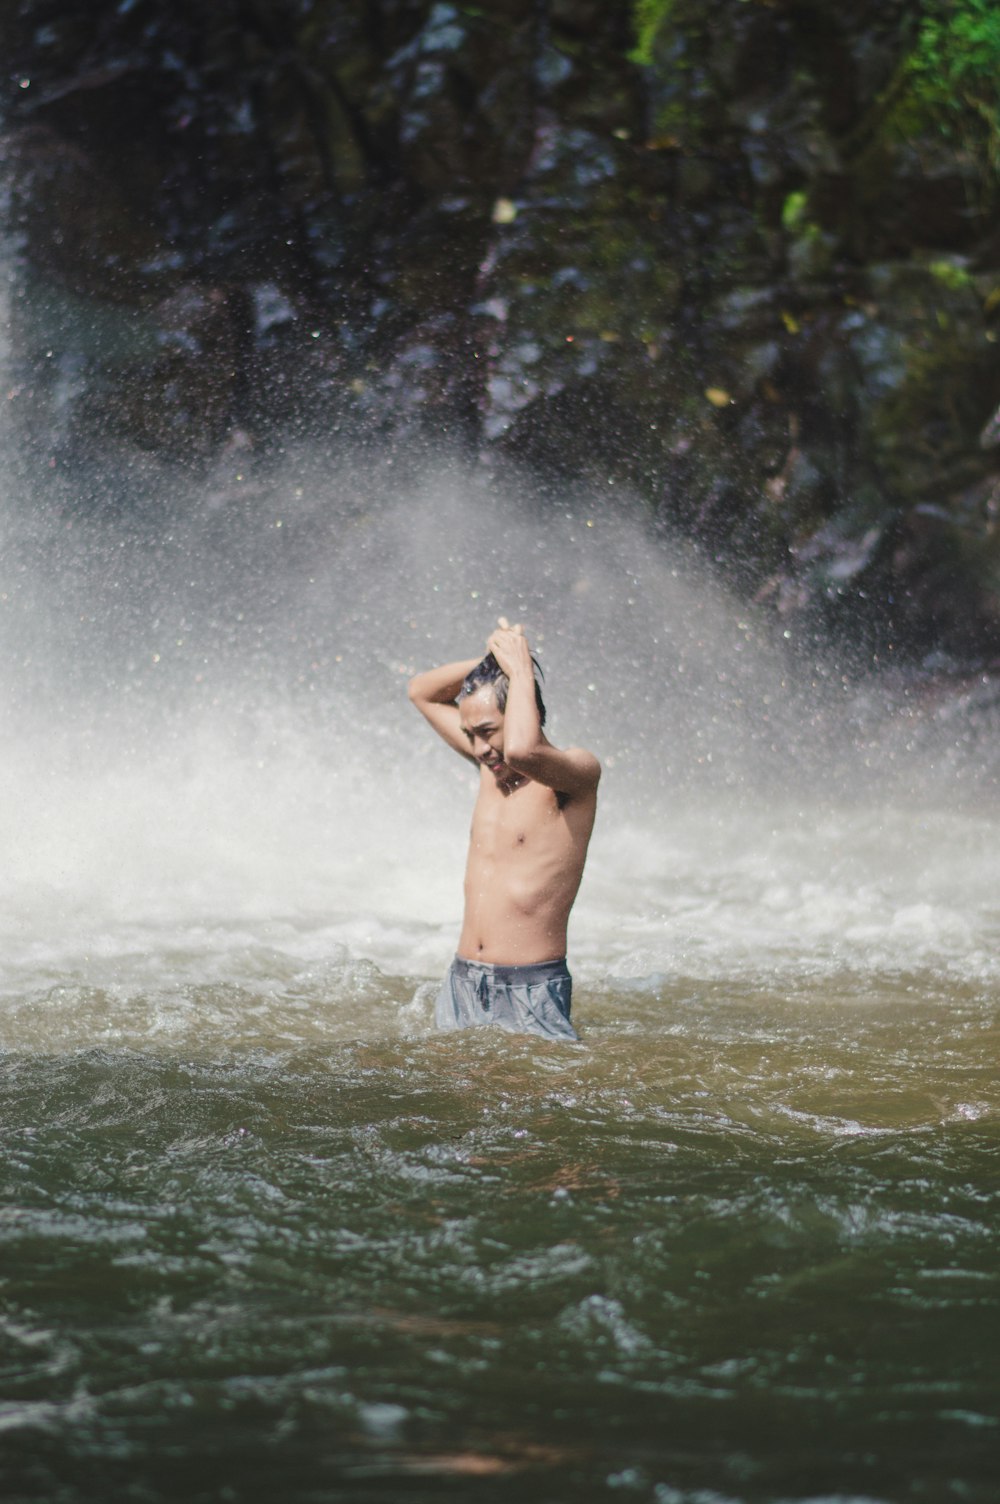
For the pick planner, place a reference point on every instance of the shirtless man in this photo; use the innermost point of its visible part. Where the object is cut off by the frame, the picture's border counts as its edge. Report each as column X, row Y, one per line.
column 530, row 830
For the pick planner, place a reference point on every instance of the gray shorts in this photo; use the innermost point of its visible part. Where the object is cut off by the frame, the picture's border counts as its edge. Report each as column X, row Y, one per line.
column 520, row 999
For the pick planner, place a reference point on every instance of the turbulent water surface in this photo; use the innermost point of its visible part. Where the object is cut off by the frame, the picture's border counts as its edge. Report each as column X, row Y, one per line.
column 265, row 1235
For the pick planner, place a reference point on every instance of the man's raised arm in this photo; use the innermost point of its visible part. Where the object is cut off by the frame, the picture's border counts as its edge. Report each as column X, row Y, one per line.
column 526, row 748
column 434, row 694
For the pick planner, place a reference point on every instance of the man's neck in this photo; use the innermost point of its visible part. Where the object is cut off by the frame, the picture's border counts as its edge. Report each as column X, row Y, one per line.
column 510, row 781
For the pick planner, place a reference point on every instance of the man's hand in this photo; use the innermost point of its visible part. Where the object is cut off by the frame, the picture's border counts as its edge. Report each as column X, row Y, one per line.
column 509, row 647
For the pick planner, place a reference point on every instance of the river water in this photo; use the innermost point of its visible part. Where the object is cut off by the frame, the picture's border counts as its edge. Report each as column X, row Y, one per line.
column 264, row 1234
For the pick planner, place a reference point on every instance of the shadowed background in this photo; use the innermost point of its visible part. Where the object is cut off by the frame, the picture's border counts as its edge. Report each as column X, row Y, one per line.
column 742, row 256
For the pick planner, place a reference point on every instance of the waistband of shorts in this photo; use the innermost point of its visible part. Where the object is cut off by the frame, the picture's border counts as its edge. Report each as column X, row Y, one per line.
column 517, row 976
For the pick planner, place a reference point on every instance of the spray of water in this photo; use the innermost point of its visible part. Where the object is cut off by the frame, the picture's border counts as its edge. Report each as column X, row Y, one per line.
column 209, row 762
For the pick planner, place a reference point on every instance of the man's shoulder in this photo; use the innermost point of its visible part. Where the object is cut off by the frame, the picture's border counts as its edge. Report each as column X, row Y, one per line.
column 585, row 763
column 581, row 788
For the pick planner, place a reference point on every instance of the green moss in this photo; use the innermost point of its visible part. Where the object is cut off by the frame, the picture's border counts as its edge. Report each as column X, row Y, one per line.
column 952, row 274
column 925, row 429
column 793, row 211
column 648, row 16
column 809, row 250
column 671, row 41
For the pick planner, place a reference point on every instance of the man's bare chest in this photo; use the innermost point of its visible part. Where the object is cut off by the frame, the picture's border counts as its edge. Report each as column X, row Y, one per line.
column 522, row 819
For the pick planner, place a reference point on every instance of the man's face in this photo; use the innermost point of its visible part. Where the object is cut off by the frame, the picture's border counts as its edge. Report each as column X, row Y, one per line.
column 482, row 723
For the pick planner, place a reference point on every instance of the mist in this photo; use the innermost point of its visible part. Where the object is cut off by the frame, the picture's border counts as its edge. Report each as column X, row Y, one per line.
column 208, row 748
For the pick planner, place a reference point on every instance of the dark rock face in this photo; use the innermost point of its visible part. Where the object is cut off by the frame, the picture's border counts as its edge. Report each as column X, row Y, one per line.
column 740, row 268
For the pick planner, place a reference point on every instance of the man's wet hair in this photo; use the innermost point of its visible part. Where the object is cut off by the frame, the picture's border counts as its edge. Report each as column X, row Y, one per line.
column 488, row 674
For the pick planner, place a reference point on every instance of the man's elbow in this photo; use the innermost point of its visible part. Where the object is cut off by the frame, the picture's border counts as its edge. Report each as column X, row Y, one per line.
column 413, row 689
column 523, row 757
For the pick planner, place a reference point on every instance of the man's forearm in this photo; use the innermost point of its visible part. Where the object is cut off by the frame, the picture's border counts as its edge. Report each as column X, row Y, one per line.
column 440, row 686
column 522, row 725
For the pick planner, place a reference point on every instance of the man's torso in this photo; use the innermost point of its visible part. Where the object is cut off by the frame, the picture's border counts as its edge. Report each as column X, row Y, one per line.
column 526, row 854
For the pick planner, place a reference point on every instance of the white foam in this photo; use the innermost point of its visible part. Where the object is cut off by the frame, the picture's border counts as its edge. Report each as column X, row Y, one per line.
column 210, row 769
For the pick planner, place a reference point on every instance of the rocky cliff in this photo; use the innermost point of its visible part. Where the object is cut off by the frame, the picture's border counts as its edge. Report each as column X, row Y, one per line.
column 740, row 255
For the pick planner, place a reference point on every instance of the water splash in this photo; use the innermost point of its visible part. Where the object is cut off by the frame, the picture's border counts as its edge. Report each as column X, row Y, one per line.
column 208, row 746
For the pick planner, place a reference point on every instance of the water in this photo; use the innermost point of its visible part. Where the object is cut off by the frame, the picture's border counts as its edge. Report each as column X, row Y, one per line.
column 265, row 1235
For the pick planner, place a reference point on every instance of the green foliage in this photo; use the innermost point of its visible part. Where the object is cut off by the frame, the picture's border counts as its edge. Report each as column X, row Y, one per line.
column 648, row 17
column 954, row 276
column 809, row 249
column 669, row 34
column 793, row 211
column 954, row 70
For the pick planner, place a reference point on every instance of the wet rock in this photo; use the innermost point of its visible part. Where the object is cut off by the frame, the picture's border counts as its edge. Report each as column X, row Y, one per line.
column 722, row 254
